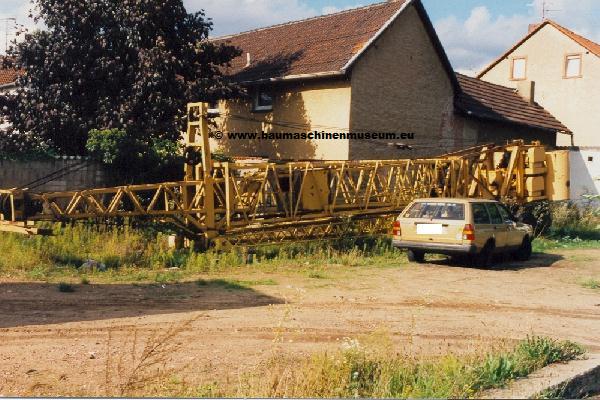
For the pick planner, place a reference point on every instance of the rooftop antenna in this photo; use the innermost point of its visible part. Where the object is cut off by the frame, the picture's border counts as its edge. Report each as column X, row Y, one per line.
column 7, row 28
column 547, row 10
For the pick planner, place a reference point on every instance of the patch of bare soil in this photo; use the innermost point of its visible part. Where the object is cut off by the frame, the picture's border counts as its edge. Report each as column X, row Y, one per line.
column 54, row 343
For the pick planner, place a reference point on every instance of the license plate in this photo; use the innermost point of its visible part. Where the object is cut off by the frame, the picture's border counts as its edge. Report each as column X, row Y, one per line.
column 430, row 229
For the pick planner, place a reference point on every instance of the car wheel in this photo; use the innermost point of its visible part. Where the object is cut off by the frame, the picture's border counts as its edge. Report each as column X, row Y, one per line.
column 416, row 256
column 525, row 251
column 485, row 257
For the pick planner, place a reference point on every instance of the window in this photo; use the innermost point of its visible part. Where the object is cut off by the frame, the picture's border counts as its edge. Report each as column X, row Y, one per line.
column 444, row 211
column 496, row 218
column 506, row 216
column 480, row 214
column 263, row 100
column 573, row 66
column 213, row 108
column 518, row 69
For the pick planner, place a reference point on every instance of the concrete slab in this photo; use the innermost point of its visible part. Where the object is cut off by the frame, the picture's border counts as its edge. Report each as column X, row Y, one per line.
column 575, row 379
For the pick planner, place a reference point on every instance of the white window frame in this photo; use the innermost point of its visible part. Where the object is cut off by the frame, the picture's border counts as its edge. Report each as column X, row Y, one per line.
column 566, row 65
column 512, row 69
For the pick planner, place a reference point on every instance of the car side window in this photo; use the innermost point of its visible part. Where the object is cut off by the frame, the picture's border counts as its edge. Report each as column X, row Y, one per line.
column 505, row 215
column 494, row 213
column 480, row 214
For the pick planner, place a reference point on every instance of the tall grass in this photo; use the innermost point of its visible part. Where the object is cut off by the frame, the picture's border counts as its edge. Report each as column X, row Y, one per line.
column 575, row 221
column 364, row 372
column 131, row 254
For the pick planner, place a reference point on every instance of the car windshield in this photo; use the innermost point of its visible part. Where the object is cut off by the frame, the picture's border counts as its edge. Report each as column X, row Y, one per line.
column 445, row 211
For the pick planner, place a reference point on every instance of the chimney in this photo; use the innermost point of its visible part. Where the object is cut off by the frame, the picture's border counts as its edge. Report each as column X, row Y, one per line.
column 526, row 90
column 533, row 27
column 248, row 60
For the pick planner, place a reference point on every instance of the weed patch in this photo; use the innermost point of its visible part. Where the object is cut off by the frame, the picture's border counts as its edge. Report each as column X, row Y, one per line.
column 143, row 367
column 566, row 243
column 317, row 275
column 363, row 372
column 130, row 255
column 591, row 284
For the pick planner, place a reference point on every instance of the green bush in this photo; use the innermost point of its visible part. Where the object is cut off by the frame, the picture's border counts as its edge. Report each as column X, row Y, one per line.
column 562, row 220
column 135, row 160
column 575, row 221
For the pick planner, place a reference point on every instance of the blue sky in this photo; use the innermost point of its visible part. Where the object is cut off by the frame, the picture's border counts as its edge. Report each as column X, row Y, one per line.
column 473, row 32
column 438, row 9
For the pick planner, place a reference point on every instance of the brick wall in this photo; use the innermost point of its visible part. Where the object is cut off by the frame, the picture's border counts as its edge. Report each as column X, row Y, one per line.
column 83, row 174
column 400, row 85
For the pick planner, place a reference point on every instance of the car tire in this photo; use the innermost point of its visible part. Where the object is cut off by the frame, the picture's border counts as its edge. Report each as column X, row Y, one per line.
column 485, row 257
column 525, row 251
column 416, row 256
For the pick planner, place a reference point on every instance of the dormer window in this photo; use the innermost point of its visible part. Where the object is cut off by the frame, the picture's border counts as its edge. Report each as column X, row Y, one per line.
column 573, row 66
column 263, row 99
column 518, row 70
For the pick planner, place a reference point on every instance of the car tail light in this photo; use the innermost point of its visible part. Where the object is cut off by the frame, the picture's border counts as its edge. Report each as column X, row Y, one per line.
column 469, row 232
column 397, row 229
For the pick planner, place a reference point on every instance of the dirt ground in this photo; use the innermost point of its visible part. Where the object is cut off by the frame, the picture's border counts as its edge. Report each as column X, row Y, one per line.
column 57, row 343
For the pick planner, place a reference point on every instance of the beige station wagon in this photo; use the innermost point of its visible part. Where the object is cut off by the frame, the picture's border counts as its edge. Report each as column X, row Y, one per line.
column 461, row 227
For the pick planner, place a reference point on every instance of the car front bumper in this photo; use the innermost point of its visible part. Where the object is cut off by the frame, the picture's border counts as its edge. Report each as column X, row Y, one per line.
column 436, row 248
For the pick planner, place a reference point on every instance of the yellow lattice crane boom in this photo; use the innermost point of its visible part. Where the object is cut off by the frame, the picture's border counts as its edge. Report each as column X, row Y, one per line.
column 252, row 202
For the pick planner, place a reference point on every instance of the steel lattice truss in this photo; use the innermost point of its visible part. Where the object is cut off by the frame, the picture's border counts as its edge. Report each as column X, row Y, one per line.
column 264, row 202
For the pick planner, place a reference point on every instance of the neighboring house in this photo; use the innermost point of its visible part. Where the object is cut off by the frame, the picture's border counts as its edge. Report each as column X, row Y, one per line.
column 8, row 79
column 496, row 114
column 379, row 68
column 565, row 69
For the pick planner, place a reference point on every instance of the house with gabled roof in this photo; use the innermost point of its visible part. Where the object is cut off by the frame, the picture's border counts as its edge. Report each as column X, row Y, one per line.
column 562, row 68
column 377, row 69
column 8, row 82
column 8, row 79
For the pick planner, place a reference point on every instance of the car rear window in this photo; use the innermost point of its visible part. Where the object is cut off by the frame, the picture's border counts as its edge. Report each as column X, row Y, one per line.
column 445, row 211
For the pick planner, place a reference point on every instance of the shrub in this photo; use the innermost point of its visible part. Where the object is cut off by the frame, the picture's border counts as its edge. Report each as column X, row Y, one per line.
column 575, row 221
column 560, row 220
column 133, row 159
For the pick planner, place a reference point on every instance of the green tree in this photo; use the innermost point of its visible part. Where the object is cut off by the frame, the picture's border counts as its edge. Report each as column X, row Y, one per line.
column 114, row 64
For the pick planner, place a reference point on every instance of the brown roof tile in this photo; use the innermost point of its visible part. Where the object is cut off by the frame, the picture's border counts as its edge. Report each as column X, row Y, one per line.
column 312, row 46
column 593, row 47
column 8, row 76
column 485, row 100
column 587, row 43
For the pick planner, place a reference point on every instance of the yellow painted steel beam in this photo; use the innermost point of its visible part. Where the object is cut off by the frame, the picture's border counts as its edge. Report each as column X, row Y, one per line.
column 248, row 202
